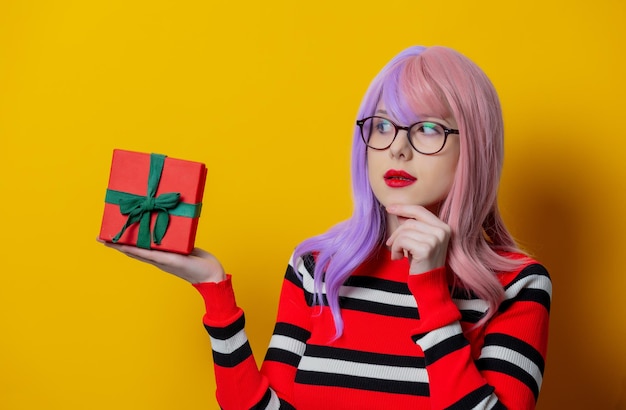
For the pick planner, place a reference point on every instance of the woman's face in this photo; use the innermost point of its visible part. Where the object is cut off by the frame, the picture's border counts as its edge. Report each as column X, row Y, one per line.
column 400, row 175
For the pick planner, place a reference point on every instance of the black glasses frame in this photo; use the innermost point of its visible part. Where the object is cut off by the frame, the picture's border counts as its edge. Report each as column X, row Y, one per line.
column 446, row 131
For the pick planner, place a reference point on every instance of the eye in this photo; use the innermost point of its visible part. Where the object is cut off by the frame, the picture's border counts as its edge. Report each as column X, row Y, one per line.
column 383, row 126
column 429, row 129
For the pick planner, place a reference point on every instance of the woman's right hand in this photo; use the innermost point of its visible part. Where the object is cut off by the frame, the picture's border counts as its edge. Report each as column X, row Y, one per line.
column 197, row 267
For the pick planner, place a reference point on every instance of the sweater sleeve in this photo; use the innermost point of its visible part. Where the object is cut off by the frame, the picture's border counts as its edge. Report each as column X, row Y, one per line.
column 240, row 384
column 509, row 369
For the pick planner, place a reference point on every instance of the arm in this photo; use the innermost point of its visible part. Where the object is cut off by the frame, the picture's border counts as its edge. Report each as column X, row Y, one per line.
column 509, row 370
column 234, row 364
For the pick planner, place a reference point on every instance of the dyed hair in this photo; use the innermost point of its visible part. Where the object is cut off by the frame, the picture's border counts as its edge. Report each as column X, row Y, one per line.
column 445, row 83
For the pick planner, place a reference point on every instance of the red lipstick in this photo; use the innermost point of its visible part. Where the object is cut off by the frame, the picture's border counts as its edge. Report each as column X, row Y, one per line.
column 398, row 179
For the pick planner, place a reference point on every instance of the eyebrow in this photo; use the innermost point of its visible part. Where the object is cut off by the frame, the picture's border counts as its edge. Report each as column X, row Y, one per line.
column 379, row 111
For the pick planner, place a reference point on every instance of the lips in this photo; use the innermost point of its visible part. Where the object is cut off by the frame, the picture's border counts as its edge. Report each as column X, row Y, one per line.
column 398, row 178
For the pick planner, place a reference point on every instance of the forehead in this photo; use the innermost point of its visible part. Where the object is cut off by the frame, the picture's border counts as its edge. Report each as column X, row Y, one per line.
column 421, row 115
column 412, row 101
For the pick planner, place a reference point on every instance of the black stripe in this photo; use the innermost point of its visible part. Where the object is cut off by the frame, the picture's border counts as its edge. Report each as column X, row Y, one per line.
column 223, row 333
column 364, row 357
column 232, row 359
column 530, row 270
column 378, row 284
column 285, row 406
column 292, row 276
column 471, row 316
column 367, row 306
column 282, row 356
column 363, row 282
column 540, row 296
column 362, row 383
column 292, row 331
column 499, row 406
column 458, row 292
column 264, row 402
column 467, row 315
column 528, row 295
column 520, row 346
column 445, row 347
column 472, row 399
column 502, row 366
column 312, row 299
column 309, row 263
column 379, row 308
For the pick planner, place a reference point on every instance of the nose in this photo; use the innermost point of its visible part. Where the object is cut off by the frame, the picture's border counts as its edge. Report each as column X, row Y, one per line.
column 400, row 147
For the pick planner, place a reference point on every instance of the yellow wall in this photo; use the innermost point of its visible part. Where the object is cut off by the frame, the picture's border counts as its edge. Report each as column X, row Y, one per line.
column 266, row 93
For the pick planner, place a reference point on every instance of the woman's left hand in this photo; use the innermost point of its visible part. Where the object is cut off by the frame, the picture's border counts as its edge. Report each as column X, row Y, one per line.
column 421, row 236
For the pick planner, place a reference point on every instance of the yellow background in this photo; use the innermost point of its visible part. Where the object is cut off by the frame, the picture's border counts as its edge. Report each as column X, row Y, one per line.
column 265, row 93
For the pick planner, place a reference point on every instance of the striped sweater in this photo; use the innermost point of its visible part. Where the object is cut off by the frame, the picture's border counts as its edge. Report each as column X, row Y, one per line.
column 408, row 343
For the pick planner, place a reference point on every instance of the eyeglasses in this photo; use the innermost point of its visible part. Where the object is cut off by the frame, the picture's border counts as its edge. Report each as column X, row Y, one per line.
column 426, row 137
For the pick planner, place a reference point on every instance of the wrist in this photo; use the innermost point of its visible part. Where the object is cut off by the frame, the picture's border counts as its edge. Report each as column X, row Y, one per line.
column 219, row 301
column 212, row 278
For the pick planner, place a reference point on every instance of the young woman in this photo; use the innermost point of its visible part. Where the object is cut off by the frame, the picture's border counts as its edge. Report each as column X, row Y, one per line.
column 421, row 300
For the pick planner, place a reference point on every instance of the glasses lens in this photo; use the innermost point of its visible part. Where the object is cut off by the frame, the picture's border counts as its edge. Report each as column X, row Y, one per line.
column 378, row 132
column 428, row 137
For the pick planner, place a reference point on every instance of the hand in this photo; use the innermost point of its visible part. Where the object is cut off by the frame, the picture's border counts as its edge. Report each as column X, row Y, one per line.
column 422, row 237
column 198, row 267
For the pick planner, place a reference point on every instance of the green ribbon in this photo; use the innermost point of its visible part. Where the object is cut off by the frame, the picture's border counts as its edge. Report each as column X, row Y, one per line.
column 139, row 208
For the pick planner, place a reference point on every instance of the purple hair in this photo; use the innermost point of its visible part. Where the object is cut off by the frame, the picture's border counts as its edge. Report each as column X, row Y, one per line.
column 447, row 84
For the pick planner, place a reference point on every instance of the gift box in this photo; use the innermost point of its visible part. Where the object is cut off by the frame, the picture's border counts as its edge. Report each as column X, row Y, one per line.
column 153, row 201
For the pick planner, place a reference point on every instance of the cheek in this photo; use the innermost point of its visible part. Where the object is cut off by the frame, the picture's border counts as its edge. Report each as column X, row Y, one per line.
column 373, row 167
column 450, row 173
column 442, row 174
column 370, row 166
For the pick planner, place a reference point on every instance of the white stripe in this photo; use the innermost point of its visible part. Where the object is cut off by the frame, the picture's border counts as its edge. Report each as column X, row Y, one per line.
column 478, row 305
column 372, row 371
column 307, row 279
column 379, row 296
column 366, row 294
column 287, row 343
column 488, row 403
column 513, row 357
column 229, row 345
column 538, row 282
column 439, row 335
column 274, row 403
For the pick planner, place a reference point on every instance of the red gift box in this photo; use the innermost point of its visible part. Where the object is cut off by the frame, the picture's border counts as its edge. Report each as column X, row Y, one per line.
column 153, row 201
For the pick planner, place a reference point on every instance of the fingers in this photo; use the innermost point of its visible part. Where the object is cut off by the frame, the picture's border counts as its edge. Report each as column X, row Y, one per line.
column 413, row 212
column 144, row 255
column 429, row 229
column 422, row 236
column 199, row 266
column 200, row 253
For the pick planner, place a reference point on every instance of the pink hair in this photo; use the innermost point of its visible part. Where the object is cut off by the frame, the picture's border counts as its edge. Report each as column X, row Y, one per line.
column 441, row 81
column 471, row 208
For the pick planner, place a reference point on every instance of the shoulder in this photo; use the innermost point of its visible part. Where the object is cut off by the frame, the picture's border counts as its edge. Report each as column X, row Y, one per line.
column 303, row 264
column 300, row 270
column 529, row 281
column 523, row 266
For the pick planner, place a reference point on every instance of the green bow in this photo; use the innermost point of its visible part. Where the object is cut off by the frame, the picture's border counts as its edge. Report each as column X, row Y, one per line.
column 139, row 208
